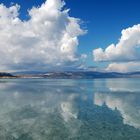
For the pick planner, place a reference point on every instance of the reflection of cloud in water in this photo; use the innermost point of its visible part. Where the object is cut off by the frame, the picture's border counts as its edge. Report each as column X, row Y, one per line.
column 58, row 109
column 69, row 111
column 37, row 112
column 127, row 104
column 117, row 85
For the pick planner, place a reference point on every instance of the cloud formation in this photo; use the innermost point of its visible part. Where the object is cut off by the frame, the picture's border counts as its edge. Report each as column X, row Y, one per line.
column 125, row 55
column 124, row 67
column 49, row 37
column 127, row 49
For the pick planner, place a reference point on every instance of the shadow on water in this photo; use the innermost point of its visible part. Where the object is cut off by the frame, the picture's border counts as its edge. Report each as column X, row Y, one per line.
column 39, row 109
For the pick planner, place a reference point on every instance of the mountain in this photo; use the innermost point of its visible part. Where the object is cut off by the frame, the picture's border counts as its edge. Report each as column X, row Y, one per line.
column 77, row 75
column 6, row 75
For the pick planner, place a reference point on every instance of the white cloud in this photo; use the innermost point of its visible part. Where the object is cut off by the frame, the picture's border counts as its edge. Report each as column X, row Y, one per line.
column 124, row 67
column 49, row 37
column 127, row 49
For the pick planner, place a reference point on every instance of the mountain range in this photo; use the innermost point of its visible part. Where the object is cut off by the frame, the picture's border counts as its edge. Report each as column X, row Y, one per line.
column 70, row 75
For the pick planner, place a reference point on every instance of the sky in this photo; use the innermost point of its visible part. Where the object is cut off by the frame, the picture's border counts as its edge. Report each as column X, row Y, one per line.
column 100, row 35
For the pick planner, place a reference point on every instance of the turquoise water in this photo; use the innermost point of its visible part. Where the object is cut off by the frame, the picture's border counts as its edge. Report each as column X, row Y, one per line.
column 43, row 109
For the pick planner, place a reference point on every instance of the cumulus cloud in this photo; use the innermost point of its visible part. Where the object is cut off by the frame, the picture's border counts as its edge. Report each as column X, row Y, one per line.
column 124, row 67
column 127, row 49
column 49, row 37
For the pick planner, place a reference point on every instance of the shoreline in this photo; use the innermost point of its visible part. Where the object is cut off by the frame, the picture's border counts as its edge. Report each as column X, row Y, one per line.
column 34, row 77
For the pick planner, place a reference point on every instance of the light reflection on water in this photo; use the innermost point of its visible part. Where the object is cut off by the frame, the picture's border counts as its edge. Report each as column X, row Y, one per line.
column 40, row 109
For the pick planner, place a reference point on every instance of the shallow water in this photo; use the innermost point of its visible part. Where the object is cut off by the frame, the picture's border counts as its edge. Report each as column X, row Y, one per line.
column 45, row 109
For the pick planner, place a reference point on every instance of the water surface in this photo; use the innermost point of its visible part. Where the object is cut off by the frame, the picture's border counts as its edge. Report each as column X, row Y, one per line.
column 45, row 109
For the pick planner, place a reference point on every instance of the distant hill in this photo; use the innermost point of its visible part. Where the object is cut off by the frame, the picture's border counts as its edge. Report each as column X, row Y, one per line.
column 6, row 75
column 78, row 75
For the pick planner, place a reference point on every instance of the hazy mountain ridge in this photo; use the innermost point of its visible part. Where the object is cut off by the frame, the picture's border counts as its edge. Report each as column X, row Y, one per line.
column 6, row 75
column 78, row 75
column 70, row 75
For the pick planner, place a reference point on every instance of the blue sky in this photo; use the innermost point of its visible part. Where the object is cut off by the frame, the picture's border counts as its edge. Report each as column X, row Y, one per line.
column 104, row 20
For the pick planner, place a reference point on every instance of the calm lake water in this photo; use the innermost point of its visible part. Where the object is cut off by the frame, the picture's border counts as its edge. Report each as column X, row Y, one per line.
column 43, row 109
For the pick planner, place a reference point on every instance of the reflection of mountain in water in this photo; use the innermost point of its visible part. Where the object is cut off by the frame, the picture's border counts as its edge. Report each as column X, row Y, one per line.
column 59, row 110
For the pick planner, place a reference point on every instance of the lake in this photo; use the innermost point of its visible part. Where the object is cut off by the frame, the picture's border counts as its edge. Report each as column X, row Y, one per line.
column 68, row 109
